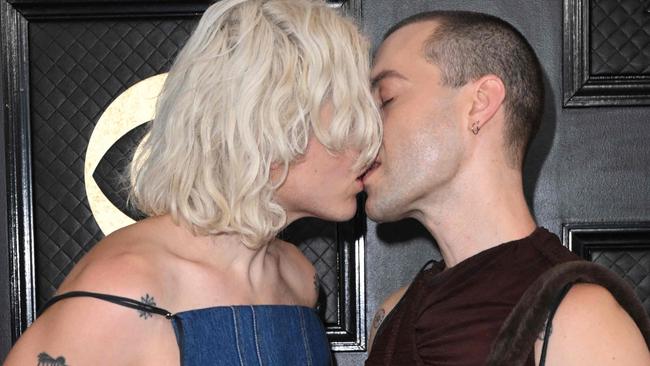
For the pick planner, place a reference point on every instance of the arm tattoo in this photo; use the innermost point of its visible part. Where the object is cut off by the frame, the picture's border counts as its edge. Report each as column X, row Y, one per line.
column 149, row 301
column 317, row 284
column 317, row 289
column 46, row 360
column 379, row 318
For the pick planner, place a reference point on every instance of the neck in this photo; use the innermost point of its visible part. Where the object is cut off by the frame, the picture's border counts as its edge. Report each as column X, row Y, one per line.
column 225, row 253
column 477, row 215
column 239, row 260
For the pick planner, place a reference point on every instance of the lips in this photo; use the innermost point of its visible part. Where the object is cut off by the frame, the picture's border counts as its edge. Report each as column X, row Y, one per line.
column 372, row 167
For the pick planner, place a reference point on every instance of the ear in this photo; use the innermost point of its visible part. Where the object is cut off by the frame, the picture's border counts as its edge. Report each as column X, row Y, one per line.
column 275, row 173
column 488, row 94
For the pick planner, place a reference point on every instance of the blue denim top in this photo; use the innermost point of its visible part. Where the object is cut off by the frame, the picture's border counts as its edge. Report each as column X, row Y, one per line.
column 244, row 335
column 272, row 335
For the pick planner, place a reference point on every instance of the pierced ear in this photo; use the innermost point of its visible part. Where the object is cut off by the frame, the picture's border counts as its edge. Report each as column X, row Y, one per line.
column 489, row 93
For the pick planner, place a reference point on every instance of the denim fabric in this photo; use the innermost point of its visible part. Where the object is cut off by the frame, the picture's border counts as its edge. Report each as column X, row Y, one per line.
column 270, row 335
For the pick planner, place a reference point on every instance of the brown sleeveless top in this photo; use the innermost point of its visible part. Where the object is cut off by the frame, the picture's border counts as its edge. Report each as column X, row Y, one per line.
column 450, row 317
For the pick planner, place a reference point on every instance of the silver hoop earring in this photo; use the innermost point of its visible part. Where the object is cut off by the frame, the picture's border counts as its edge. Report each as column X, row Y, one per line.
column 475, row 128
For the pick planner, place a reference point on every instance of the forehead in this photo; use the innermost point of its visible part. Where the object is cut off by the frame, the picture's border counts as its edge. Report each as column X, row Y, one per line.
column 405, row 46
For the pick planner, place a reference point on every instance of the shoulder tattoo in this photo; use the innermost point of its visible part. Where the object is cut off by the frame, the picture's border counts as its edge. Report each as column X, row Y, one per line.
column 148, row 300
column 378, row 319
column 46, row 360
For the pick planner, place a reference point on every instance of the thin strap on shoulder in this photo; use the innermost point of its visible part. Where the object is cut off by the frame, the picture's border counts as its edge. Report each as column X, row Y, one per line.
column 119, row 300
column 427, row 265
column 549, row 321
column 521, row 329
column 391, row 314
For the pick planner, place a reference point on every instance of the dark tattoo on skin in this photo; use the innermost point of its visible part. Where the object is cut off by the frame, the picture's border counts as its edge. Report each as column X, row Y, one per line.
column 46, row 360
column 317, row 284
column 149, row 301
column 379, row 318
column 317, row 289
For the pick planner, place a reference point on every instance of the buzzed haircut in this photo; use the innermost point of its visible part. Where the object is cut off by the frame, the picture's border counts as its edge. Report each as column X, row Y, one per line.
column 468, row 45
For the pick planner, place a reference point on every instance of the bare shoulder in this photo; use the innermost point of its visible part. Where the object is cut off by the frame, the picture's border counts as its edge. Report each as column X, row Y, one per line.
column 124, row 263
column 85, row 330
column 590, row 327
column 299, row 273
column 386, row 307
column 393, row 299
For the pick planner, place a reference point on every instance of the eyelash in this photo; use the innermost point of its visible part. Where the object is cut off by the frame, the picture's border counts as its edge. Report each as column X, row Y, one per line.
column 386, row 102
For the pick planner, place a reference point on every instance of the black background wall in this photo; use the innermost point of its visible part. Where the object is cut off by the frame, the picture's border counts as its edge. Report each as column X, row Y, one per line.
column 587, row 176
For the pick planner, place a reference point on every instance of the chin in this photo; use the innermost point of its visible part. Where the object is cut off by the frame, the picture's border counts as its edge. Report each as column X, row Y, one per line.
column 348, row 215
column 372, row 215
column 379, row 213
column 371, row 212
column 343, row 214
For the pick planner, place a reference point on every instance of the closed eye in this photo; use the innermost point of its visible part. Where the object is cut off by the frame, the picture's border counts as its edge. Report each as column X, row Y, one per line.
column 386, row 103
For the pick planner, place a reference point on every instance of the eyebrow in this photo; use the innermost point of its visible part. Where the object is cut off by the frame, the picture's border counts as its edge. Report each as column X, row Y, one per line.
column 384, row 75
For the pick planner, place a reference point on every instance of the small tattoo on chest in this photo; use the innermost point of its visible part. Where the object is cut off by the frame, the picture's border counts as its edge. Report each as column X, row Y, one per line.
column 46, row 360
column 379, row 318
column 149, row 301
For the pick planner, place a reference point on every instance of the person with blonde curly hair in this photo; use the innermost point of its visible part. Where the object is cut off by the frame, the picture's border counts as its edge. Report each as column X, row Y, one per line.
column 266, row 117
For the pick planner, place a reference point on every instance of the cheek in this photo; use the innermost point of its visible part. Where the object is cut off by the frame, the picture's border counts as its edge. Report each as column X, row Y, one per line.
column 408, row 144
column 343, row 162
column 423, row 150
column 416, row 154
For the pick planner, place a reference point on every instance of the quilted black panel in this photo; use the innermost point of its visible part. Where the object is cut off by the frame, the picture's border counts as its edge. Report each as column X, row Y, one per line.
column 633, row 265
column 620, row 37
column 76, row 69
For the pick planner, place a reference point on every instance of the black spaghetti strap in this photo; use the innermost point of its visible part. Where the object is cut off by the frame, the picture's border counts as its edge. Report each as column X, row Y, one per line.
column 549, row 321
column 427, row 264
column 119, row 300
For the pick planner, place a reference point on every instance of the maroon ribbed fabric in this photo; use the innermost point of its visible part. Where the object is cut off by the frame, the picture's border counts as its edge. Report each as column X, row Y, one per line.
column 449, row 317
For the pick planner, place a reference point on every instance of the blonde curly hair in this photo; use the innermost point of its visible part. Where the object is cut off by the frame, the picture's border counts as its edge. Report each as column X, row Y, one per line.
column 245, row 93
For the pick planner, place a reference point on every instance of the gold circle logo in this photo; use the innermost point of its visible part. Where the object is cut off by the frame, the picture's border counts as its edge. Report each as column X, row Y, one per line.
column 132, row 108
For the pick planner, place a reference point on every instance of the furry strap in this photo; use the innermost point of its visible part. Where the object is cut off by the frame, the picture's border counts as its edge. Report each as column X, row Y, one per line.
column 517, row 336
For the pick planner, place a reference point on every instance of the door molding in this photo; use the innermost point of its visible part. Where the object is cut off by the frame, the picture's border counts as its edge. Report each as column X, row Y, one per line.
column 581, row 87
